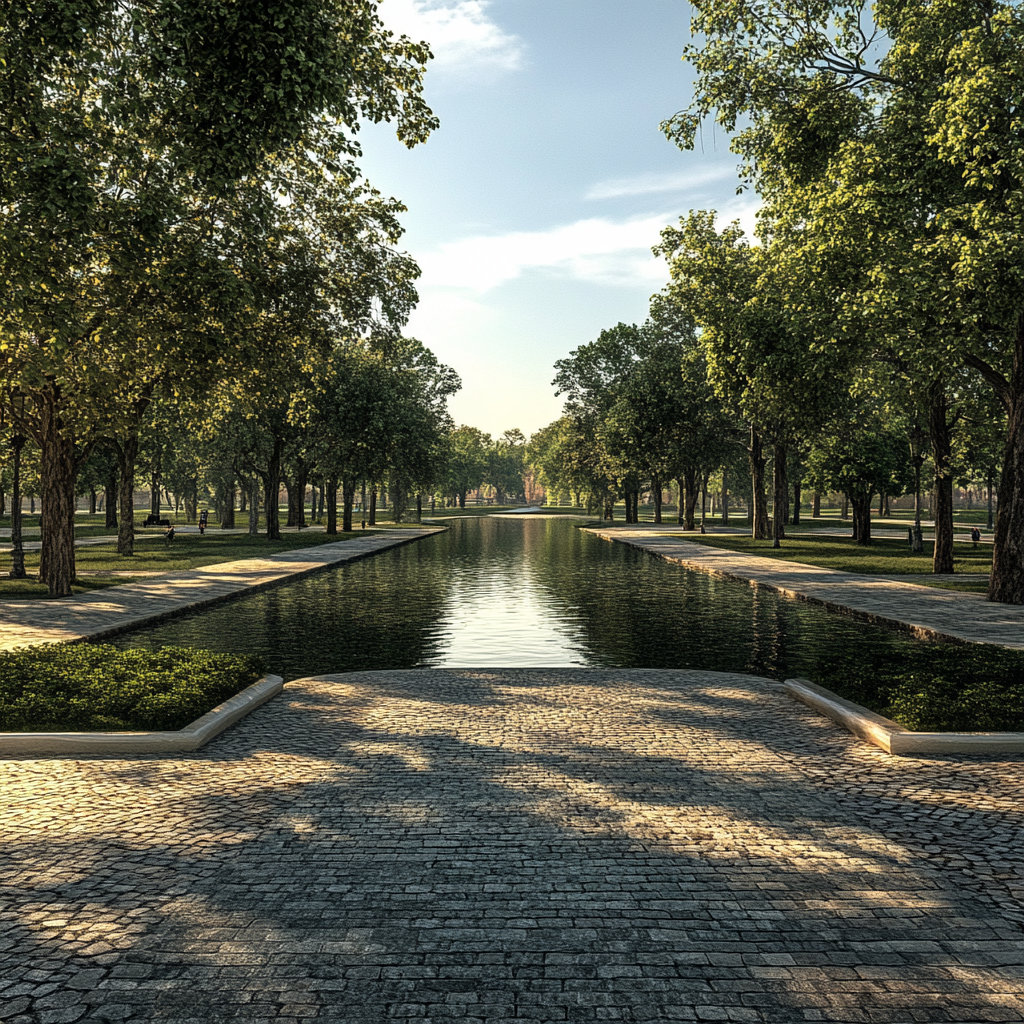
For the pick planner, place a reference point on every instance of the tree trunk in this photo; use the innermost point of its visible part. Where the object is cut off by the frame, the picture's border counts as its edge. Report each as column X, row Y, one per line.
column 781, row 494
column 227, row 515
column 191, row 497
column 57, row 472
column 272, row 488
column 462, row 499
column 862, row 518
column 703, row 501
column 348, row 498
column 1006, row 583
column 656, row 495
column 373, row 507
column 725, row 497
column 816, row 505
column 797, row 496
column 92, row 499
column 296, row 487
column 690, row 488
column 331, row 484
column 845, row 513
column 399, row 498
column 988, row 488
column 760, row 504
column 942, row 453
column 254, row 507
column 127, row 451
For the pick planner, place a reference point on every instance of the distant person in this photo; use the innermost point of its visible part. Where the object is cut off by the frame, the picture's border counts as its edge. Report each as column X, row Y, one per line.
column 168, row 534
column 975, row 535
column 204, row 518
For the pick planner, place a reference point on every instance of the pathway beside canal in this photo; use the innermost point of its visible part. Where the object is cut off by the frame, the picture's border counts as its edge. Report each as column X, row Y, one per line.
column 927, row 611
column 498, row 844
column 104, row 613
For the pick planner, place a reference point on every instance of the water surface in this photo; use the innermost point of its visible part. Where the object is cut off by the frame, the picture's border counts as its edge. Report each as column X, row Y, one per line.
column 512, row 592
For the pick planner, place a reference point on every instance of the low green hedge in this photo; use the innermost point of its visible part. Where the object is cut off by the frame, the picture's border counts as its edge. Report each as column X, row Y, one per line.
column 935, row 687
column 98, row 687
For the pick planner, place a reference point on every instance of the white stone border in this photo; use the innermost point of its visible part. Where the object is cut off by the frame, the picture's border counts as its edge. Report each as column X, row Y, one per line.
column 192, row 737
column 893, row 738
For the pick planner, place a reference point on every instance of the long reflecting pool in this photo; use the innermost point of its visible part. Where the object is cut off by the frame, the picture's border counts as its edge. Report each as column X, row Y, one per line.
column 519, row 592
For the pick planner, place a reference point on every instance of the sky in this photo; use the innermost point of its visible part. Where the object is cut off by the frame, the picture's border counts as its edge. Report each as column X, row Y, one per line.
column 534, row 207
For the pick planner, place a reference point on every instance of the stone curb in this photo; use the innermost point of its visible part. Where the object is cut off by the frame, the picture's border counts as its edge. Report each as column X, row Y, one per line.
column 192, row 737
column 893, row 738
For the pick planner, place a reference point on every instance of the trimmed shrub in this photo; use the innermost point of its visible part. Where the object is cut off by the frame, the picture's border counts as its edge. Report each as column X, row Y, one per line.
column 935, row 687
column 98, row 687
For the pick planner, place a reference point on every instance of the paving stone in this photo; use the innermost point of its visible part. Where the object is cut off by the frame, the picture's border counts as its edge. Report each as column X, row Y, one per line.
column 487, row 845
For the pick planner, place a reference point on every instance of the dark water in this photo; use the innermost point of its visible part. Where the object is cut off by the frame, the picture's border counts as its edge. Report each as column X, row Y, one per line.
column 519, row 592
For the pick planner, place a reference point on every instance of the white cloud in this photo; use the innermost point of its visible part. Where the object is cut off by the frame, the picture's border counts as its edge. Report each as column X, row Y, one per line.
column 650, row 184
column 463, row 39
column 595, row 250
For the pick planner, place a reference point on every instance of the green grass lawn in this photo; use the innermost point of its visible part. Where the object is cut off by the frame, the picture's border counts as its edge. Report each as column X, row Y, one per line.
column 97, row 562
column 883, row 557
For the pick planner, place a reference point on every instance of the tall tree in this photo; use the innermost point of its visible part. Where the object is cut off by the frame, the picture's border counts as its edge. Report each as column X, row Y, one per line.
column 140, row 171
column 890, row 133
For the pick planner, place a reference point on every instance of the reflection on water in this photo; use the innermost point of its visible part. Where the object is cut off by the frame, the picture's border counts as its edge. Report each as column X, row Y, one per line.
column 519, row 592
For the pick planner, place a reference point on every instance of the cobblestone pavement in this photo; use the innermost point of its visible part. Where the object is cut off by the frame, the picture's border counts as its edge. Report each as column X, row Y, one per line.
column 927, row 611
column 102, row 613
column 529, row 845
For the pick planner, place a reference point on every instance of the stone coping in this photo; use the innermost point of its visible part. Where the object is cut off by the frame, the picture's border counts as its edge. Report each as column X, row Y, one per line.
column 192, row 737
column 894, row 738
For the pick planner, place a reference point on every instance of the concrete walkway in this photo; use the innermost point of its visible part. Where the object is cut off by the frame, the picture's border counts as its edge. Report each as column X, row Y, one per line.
column 103, row 613
column 530, row 845
column 926, row 611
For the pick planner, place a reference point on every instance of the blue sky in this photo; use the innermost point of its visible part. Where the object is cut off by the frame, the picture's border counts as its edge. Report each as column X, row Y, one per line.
column 533, row 209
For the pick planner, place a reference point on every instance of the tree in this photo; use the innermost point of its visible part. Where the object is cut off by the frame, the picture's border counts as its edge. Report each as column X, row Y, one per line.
column 142, row 169
column 890, row 135
column 467, row 461
column 506, row 461
column 759, row 362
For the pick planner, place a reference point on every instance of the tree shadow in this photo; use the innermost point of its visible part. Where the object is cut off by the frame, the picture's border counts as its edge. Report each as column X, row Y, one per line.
column 418, row 844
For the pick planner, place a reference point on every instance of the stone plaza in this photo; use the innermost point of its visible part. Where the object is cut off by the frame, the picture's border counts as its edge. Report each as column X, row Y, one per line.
column 528, row 845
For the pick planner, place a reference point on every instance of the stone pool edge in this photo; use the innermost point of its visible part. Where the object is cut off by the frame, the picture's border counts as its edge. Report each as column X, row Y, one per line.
column 193, row 736
column 894, row 738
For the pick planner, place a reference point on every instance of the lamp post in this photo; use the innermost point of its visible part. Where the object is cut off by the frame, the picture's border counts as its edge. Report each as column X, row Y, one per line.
column 17, row 443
